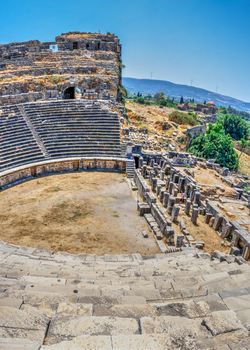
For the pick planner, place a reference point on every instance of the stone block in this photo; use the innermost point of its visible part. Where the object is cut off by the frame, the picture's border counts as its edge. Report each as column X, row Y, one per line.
column 18, row 344
column 217, row 222
column 75, row 326
column 173, row 326
column 244, row 317
column 222, row 322
column 208, row 216
column 83, row 342
column 188, row 207
column 194, row 216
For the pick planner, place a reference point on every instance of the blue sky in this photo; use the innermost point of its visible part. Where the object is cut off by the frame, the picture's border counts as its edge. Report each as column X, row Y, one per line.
column 203, row 41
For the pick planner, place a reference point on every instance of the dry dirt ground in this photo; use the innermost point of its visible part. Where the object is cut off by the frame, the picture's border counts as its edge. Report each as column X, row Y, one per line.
column 156, row 121
column 89, row 212
column 244, row 166
column 210, row 178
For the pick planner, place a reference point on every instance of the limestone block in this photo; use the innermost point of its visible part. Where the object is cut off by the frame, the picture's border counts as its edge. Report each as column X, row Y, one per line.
column 222, row 322
column 173, row 326
column 11, row 317
column 208, row 216
column 188, row 207
column 74, row 326
column 71, row 309
column 133, row 311
column 84, row 343
column 194, row 216
column 171, row 202
column 244, row 317
column 18, row 344
column 211, row 222
column 187, row 308
column 217, row 222
column 165, row 199
column 175, row 213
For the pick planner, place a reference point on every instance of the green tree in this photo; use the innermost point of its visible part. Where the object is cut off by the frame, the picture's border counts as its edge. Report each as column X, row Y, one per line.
column 159, row 96
column 215, row 144
column 235, row 126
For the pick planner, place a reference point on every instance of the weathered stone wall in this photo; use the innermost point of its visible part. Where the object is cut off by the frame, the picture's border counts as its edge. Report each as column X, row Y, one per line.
column 90, row 62
column 22, row 174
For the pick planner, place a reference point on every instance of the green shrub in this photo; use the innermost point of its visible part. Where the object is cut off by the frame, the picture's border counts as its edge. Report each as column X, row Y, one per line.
column 183, row 118
column 235, row 126
column 215, row 144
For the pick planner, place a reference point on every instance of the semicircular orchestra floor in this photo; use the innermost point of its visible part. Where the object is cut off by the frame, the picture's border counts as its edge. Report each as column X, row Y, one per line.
column 89, row 212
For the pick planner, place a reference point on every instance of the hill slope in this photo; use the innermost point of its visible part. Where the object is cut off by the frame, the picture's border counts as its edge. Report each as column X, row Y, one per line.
column 147, row 86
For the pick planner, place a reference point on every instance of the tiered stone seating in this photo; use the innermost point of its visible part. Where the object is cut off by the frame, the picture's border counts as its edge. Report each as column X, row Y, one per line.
column 17, row 146
column 65, row 129
column 68, row 128
column 119, row 302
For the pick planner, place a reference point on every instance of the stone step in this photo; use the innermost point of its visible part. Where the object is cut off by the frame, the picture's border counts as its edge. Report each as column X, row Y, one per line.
column 125, row 342
column 61, row 328
column 18, row 344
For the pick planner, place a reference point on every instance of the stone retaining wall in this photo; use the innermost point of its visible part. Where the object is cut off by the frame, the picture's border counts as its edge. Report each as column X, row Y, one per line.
column 21, row 174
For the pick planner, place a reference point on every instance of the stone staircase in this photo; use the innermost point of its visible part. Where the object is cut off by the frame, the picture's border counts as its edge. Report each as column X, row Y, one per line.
column 130, row 168
column 118, row 302
column 33, row 131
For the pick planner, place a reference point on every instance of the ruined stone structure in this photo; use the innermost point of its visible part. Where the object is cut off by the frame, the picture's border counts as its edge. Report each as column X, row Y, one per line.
column 166, row 186
column 76, row 65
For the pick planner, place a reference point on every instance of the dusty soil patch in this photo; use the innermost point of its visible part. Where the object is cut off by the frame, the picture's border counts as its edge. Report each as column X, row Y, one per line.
column 85, row 212
column 203, row 232
column 211, row 183
column 244, row 166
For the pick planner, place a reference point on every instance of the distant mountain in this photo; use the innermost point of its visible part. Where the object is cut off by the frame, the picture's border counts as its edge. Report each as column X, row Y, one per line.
column 147, row 86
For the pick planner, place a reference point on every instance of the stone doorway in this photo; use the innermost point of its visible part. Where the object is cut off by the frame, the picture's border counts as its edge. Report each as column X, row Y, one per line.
column 137, row 163
column 69, row 93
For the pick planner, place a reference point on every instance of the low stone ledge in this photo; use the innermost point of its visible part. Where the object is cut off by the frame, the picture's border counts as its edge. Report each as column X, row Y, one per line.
column 24, row 173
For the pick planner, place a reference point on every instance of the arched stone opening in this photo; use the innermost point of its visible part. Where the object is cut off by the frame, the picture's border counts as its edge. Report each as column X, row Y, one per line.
column 72, row 93
column 69, row 93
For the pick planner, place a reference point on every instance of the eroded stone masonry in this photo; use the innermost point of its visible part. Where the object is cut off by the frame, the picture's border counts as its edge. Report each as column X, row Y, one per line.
column 183, row 197
column 82, row 65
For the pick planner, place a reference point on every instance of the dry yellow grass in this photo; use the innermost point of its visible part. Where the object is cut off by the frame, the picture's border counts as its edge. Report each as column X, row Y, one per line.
column 156, row 121
column 244, row 166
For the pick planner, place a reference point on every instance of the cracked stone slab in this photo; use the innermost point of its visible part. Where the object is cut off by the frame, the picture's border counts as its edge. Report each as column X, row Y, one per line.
column 83, row 343
column 36, row 335
column 153, row 342
column 244, row 317
column 61, row 328
column 173, row 326
column 214, row 302
column 71, row 309
column 43, row 281
column 44, row 308
column 189, row 309
column 222, row 322
column 243, row 344
column 15, row 318
column 133, row 311
column 132, row 300
column 234, row 292
column 12, row 302
column 238, row 303
column 147, row 293
column 36, row 298
column 18, row 344
column 126, row 342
